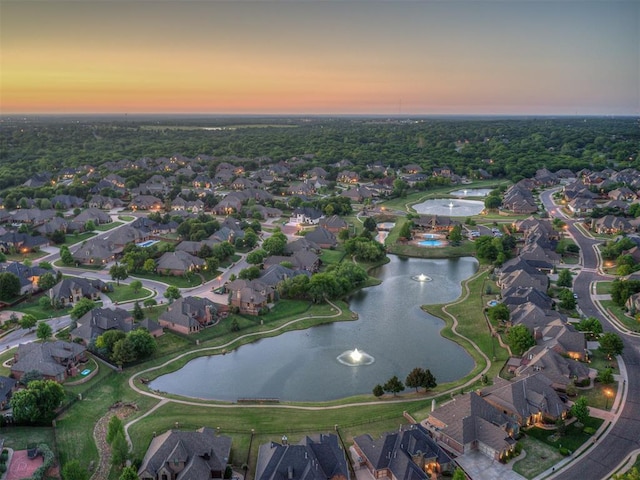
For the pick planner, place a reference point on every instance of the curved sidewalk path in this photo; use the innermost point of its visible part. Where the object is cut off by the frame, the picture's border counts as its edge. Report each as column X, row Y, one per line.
column 164, row 400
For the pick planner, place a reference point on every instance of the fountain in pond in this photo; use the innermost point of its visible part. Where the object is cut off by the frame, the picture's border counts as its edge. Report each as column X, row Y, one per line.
column 451, row 205
column 355, row 357
column 465, row 192
column 421, row 278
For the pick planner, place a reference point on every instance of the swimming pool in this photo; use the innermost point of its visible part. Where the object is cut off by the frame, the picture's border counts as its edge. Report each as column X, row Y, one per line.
column 86, row 371
column 493, row 303
column 431, row 243
column 147, row 243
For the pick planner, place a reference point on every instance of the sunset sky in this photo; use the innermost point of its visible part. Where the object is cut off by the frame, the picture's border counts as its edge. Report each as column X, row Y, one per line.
column 320, row 56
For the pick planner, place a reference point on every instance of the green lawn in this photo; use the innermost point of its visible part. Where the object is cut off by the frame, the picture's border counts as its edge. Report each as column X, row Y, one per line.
column 124, row 293
column 78, row 237
column 466, row 249
column 331, row 257
column 471, row 324
column 126, row 218
column 620, row 314
column 107, row 226
column 539, row 457
column 600, row 396
column 19, row 438
column 573, row 439
column 188, row 281
column 40, row 313
column 599, row 361
column 603, row 288
column 21, row 257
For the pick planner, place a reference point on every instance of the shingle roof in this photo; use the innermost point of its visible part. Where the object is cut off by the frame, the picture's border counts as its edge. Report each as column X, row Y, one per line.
column 202, row 451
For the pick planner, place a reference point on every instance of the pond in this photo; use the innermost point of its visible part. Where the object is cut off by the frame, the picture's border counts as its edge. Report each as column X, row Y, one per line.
column 391, row 330
column 449, row 207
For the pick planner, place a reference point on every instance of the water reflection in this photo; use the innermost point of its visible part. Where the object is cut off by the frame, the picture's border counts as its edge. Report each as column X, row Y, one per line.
column 303, row 366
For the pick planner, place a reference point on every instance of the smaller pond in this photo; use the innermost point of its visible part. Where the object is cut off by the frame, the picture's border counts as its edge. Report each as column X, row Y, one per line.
column 450, row 207
column 472, row 192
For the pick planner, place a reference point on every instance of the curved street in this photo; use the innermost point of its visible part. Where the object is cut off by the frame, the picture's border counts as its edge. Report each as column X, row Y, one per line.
column 623, row 436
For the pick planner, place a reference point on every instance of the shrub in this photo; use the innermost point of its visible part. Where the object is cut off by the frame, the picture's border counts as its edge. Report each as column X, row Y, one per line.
column 565, row 451
column 589, row 430
column 3, row 468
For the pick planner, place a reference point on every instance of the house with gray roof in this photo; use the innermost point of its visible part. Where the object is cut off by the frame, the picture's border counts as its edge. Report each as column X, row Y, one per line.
column 179, row 263
column 301, row 260
column 181, row 455
column 409, row 453
column 322, row 237
column 334, row 223
column 99, row 320
column 317, row 457
column 189, row 315
column 531, row 400
column 250, row 296
column 95, row 251
column 54, row 360
column 470, row 423
column 560, row 370
column 93, row 214
column 72, row 289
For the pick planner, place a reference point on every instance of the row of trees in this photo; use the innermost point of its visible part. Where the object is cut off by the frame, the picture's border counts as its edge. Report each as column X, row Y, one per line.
column 332, row 284
column 417, row 378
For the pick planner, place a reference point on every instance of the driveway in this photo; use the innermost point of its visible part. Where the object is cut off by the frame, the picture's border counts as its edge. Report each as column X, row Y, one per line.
column 480, row 467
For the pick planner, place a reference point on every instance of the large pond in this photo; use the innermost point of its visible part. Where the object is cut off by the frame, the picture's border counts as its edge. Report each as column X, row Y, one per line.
column 304, row 365
column 455, row 207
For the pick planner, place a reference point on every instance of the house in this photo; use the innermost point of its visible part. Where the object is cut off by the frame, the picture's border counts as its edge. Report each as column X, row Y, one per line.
column 72, row 289
column 469, row 423
column 560, row 370
column 334, row 223
column 95, row 251
column 189, row 315
column 145, row 202
column 348, row 176
column 300, row 260
column 581, row 205
column 182, row 455
column 7, row 386
column 179, row 263
column 28, row 276
column 275, row 274
column 21, row 242
column 95, row 215
column 301, row 244
column 59, row 224
column 322, row 237
column 250, row 296
column 317, row 457
column 151, row 326
column 357, row 194
column 409, row 453
column 610, row 224
column 99, row 320
column 54, row 360
column 531, row 400
column 307, row 216
column 105, row 203
column 434, row 223
column 624, row 194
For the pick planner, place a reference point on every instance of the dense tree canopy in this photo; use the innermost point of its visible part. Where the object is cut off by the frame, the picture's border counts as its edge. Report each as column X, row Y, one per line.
column 37, row 403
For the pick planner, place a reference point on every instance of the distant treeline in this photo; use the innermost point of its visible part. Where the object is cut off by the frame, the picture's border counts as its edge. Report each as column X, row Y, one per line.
column 511, row 148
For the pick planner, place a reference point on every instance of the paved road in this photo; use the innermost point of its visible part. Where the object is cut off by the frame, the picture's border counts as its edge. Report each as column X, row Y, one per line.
column 624, row 436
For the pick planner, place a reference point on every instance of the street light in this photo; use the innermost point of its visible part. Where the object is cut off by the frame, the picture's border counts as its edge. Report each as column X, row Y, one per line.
column 608, row 393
